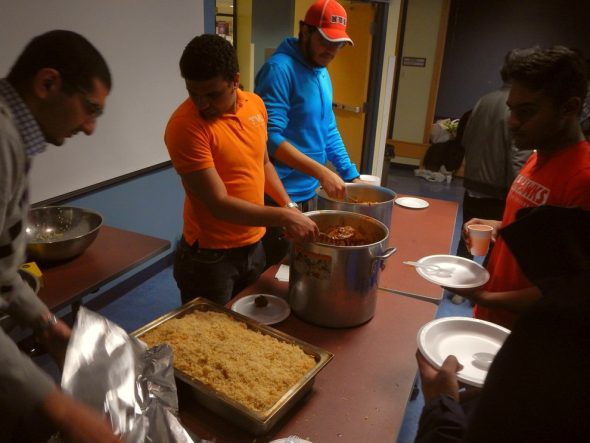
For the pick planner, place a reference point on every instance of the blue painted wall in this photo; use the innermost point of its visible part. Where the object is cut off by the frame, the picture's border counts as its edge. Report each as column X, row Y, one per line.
column 271, row 23
column 150, row 204
column 480, row 34
column 209, row 11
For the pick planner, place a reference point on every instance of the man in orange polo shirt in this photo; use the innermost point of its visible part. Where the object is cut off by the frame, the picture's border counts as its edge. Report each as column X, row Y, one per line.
column 217, row 142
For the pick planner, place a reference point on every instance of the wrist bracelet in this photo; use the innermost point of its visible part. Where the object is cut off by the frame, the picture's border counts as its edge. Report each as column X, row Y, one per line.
column 46, row 324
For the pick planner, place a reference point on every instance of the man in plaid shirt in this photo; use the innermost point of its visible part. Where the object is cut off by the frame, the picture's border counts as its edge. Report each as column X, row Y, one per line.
column 56, row 88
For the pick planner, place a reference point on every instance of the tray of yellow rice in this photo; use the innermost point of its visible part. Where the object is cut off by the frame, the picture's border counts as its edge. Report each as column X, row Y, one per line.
column 247, row 372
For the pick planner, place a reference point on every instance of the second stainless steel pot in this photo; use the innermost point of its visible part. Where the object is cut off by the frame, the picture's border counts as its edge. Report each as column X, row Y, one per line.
column 374, row 201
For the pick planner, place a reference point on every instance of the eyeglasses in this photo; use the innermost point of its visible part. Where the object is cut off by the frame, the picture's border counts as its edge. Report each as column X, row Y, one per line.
column 93, row 109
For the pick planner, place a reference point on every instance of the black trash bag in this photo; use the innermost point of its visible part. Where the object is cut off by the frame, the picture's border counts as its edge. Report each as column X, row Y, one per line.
column 448, row 154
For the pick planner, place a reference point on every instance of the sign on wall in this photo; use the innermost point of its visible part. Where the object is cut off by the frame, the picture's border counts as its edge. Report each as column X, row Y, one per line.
column 417, row 62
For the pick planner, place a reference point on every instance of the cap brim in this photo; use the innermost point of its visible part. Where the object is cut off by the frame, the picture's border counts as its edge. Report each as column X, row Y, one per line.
column 335, row 36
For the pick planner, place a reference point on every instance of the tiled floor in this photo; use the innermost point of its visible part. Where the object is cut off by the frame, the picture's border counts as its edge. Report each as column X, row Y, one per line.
column 159, row 295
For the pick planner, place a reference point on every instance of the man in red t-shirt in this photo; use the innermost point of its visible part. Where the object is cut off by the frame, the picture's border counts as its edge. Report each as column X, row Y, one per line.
column 217, row 143
column 548, row 89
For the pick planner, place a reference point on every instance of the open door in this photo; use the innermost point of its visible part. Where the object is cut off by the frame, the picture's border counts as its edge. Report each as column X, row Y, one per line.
column 350, row 71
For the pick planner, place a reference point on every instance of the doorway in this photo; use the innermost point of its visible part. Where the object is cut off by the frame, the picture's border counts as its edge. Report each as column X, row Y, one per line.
column 350, row 72
column 225, row 19
column 355, row 72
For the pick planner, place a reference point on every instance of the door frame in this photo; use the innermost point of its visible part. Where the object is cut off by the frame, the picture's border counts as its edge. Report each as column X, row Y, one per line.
column 408, row 149
column 378, row 55
column 379, row 32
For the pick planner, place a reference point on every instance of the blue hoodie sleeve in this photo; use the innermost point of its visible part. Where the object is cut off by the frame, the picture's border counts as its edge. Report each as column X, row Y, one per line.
column 273, row 85
column 336, row 152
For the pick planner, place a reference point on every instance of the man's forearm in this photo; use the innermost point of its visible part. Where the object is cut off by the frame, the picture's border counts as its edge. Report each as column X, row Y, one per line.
column 517, row 300
column 238, row 211
column 23, row 385
column 273, row 186
column 442, row 420
column 292, row 157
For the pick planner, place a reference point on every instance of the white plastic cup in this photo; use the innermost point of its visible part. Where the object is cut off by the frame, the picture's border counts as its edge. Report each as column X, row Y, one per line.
column 479, row 238
column 370, row 179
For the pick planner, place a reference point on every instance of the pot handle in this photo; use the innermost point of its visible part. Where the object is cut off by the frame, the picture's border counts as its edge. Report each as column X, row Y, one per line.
column 381, row 258
column 388, row 253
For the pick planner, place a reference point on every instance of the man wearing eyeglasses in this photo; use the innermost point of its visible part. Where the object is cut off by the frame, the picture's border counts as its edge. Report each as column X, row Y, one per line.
column 56, row 88
column 302, row 133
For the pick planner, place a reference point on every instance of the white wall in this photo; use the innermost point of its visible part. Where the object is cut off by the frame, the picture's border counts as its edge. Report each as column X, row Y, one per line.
column 142, row 41
column 420, row 40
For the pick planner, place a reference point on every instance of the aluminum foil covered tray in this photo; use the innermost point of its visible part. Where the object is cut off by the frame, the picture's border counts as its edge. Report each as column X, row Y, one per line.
column 255, row 422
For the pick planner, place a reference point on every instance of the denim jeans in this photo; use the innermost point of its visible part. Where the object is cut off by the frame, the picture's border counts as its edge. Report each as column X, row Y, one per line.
column 216, row 274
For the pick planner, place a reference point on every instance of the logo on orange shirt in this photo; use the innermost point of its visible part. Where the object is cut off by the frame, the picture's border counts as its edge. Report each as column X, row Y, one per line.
column 256, row 120
column 530, row 191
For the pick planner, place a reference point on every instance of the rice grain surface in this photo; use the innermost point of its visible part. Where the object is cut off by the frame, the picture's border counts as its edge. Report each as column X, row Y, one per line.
column 251, row 368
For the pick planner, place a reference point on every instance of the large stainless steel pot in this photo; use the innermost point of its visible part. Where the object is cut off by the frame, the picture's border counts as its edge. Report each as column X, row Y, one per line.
column 380, row 201
column 336, row 286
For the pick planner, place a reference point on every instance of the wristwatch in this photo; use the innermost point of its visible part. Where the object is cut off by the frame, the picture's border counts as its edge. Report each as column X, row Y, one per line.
column 45, row 324
column 291, row 205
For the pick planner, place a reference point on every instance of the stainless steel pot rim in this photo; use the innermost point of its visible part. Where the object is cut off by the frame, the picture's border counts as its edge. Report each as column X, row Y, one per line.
column 356, row 215
column 347, row 213
column 372, row 188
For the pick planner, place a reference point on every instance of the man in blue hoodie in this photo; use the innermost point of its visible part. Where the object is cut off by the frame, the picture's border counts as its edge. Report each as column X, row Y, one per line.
column 302, row 134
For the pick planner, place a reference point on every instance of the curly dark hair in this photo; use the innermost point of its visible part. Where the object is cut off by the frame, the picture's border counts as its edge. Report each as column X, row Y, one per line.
column 75, row 58
column 208, row 56
column 558, row 71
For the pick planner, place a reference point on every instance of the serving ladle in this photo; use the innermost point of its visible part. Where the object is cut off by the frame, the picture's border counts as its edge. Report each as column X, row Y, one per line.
column 340, row 233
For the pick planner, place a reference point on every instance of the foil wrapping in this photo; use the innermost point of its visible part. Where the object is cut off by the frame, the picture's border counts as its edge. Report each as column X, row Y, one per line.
column 119, row 376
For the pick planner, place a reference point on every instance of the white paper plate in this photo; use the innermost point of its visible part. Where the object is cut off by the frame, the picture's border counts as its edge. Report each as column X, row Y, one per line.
column 275, row 311
column 461, row 337
column 370, row 179
column 411, row 202
column 462, row 273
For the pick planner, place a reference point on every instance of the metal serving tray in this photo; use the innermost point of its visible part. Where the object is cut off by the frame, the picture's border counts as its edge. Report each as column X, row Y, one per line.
column 257, row 423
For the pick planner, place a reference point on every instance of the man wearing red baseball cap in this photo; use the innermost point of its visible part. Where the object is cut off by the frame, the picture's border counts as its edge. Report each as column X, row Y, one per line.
column 302, row 133
column 329, row 17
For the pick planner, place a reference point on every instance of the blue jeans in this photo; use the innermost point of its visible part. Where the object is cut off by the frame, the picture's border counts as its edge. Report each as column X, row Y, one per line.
column 216, row 274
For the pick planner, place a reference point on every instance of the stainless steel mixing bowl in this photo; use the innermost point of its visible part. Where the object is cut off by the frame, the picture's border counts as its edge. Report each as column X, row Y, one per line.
column 57, row 233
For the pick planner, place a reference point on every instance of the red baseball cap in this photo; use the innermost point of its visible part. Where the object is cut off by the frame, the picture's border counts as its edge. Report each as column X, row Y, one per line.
column 329, row 17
